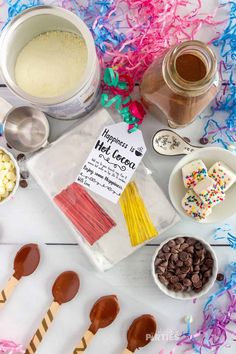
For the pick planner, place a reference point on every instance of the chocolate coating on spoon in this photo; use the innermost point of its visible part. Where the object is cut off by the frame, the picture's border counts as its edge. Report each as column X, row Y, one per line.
column 66, row 286
column 104, row 312
column 26, row 261
column 141, row 332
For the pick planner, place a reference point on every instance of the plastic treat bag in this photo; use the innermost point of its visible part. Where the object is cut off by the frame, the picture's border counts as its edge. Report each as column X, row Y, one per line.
column 103, row 229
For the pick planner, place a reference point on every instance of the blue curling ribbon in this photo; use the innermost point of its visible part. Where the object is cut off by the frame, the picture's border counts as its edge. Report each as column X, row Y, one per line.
column 17, row 7
column 223, row 233
column 227, row 102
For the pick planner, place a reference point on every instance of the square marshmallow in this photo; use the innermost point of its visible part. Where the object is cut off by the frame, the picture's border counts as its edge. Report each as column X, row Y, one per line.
column 209, row 192
column 222, row 175
column 193, row 173
column 194, row 207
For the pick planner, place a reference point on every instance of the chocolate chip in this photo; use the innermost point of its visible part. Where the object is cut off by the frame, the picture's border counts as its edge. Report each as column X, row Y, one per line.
column 9, row 146
column 166, row 249
column 171, row 243
column 21, row 157
column 163, row 280
column 190, row 249
column 203, row 268
column 23, row 183
column 209, row 262
column 182, row 276
column 178, row 287
column 187, row 282
column 179, row 263
column 204, row 141
column 195, row 278
column 174, row 257
column 198, row 246
column 208, row 273
column 158, row 261
column 167, row 256
column 174, row 250
column 191, row 241
column 168, row 275
column 220, row 277
column 197, row 268
column 184, row 246
column 179, row 240
column 174, row 279
column 183, row 256
column 198, row 284
column 185, row 269
column 189, row 262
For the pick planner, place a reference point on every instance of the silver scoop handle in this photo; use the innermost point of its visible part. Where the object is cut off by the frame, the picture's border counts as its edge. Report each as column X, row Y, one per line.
column 5, row 107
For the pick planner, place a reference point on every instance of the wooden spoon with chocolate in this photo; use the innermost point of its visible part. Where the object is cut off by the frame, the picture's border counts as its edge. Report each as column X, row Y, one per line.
column 64, row 290
column 103, row 313
column 25, row 263
column 140, row 333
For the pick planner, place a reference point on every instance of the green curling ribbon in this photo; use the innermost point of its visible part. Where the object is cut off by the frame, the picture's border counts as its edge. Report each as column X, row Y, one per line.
column 111, row 79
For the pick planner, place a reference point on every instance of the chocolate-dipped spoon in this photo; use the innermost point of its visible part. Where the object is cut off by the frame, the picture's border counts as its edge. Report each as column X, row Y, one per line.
column 25, row 263
column 64, row 290
column 103, row 313
column 140, row 333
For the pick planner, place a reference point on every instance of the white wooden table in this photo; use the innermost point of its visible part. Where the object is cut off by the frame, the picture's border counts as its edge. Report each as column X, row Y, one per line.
column 30, row 217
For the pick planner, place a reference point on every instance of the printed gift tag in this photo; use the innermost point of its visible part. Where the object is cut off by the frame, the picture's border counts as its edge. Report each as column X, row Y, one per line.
column 112, row 161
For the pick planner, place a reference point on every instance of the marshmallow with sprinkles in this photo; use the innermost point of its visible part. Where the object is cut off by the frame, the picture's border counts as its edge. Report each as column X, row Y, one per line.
column 222, row 175
column 193, row 173
column 209, row 192
column 194, row 207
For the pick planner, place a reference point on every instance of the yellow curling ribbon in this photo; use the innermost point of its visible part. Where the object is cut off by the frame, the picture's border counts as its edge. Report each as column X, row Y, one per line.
column 139, row 223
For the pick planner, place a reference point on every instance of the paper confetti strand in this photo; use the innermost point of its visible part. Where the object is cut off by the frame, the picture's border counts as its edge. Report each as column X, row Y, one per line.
column 84, row 212
column 138, row 221
column 9, row 347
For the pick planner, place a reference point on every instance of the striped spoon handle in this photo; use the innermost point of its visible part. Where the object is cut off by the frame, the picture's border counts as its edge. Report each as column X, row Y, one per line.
column 6, row 293
column 42, row 330
column 85, row 341
column 127, row 351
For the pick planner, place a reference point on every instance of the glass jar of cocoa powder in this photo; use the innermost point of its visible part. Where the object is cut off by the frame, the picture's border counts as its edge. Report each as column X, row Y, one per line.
column 181, row 85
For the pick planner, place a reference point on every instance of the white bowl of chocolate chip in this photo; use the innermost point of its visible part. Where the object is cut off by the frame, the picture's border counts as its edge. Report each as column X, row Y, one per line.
column 184, row 267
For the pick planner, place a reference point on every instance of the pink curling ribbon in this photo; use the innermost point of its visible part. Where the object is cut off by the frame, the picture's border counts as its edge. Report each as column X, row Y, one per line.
column 9, row 347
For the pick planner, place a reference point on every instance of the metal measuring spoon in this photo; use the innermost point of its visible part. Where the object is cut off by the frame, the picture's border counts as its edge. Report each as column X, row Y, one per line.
column 64, row 290
column 25, row 263
column 167, row 142
column 103, row 313
column 140, row 333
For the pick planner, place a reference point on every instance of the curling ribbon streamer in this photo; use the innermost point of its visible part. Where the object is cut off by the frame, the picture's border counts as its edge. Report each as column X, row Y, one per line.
column 138, row 221
column 218, row 318
column 132, row 112
column 9, row 347
column 223, row 233
column 84, row 212
column 216, row 130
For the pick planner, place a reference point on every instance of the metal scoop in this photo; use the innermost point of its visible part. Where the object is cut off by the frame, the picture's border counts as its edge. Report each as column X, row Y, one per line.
column 26, row 129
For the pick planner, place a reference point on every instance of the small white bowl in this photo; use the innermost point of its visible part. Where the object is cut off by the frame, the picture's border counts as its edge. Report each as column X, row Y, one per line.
column 209, row 156
column 17, row 176
column 192, row 294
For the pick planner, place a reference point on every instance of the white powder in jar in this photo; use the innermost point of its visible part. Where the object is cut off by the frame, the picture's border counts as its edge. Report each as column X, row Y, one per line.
column 51, row 64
